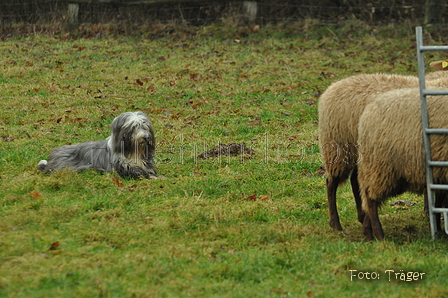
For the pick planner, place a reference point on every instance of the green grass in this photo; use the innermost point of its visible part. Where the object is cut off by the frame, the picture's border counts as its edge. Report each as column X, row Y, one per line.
column 196, row 231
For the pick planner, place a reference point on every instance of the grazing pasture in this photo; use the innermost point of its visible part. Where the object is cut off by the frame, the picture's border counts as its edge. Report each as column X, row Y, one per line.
column 250, row 225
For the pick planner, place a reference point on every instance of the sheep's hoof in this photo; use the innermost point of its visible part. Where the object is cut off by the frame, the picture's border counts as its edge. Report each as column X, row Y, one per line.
column 367, row 229
column 379, row 235
column 336, row 226
column 368, row 234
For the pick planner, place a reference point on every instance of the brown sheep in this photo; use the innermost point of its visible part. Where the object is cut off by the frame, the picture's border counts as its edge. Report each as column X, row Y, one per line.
column 340, row 108
column 392, row 152
column 338, row 130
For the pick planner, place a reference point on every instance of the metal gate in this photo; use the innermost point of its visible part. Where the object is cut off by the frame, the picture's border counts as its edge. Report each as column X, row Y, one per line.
column 427, row 131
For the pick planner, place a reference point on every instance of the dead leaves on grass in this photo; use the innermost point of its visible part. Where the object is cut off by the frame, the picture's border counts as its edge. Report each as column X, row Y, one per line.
column 402, row 204
column 117, row 182
column 254, row 197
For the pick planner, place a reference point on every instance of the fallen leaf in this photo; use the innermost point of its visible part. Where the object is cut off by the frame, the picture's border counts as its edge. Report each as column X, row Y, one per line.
column 54, row 245
column 310, row 102
column 252, row 198
column 403, row 204
column 117, row 182
column 264, row 197
column 35, row 195
column 64, row 37
column 255, row 28
column 293, row 137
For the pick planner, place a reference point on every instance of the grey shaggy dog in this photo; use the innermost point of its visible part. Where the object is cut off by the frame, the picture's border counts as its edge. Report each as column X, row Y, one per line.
column 129, row 150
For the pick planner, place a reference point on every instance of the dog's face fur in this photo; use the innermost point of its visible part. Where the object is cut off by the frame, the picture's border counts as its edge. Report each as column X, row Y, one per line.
column 132, row 135
column 133, row 145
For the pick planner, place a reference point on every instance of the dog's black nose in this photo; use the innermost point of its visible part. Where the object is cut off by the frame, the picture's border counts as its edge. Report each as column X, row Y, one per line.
column 146, row 138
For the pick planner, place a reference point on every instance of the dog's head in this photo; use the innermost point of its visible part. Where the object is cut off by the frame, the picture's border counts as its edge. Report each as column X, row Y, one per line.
column 132, row 133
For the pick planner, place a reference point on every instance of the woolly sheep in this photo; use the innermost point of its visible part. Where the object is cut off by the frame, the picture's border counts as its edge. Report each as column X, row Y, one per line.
column 392, row 150
column 436, row 75
column 340, row 108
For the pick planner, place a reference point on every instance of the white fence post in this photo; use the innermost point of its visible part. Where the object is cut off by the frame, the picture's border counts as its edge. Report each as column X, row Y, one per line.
column 250, row 9
column 72, row 14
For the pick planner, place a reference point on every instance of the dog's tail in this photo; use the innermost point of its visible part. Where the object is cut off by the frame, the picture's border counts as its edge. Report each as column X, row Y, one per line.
column 42, row 166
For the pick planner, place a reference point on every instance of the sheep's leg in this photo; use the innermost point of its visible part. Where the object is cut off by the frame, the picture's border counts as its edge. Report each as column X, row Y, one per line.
column 367, row 228
column 332, row 186
column 440, row 202
column 356, row 194
column 441, row 198
column 377, row 229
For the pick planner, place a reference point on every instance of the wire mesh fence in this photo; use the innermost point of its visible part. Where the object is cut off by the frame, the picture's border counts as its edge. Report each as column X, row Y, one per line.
column 40, row 12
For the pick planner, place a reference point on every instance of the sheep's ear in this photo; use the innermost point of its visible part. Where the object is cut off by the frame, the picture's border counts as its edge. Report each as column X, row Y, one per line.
column 440, row 65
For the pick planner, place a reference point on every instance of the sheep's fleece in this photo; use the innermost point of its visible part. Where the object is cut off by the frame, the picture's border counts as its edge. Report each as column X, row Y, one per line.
column 340, row 108
column 391, row 145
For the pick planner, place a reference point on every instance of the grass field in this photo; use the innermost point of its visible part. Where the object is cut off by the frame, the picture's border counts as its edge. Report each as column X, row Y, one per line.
column 244, row 226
